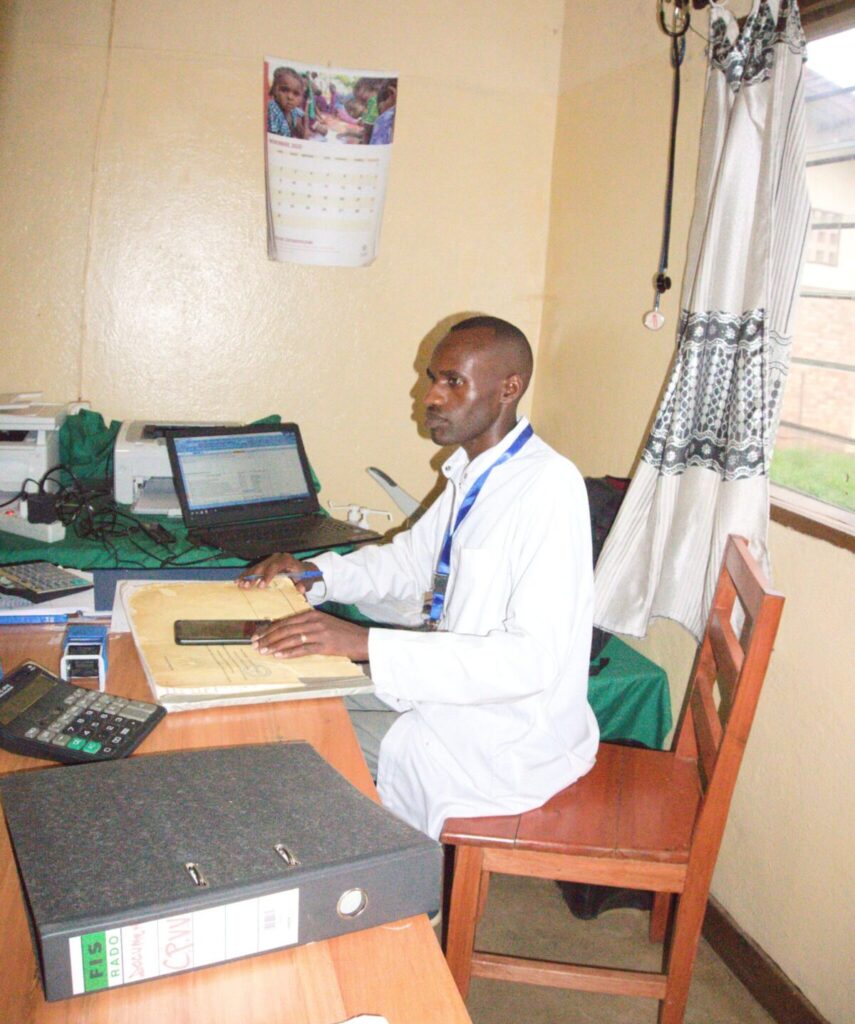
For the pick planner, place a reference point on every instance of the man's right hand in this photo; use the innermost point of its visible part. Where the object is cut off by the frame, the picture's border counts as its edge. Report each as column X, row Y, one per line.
column 261, row 574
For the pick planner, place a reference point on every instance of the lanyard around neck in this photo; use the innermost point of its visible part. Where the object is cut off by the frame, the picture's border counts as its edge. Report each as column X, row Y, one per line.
column 443, row 566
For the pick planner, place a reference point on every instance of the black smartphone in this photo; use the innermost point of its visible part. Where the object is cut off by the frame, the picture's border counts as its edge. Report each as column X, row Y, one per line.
column 217, row 631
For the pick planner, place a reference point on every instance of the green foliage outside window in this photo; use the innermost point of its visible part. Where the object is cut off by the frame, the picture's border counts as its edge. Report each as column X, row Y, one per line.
column 829, row 476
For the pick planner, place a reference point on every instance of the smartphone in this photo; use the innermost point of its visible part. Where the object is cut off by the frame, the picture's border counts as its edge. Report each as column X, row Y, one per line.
column 217, row 631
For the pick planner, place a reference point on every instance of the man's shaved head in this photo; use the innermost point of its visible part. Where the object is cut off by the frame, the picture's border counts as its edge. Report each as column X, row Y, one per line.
column 511, row 344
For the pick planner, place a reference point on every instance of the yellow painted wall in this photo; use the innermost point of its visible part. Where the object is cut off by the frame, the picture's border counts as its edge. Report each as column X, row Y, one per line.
column 134, row 275
column 786, row 869
column 135, row 272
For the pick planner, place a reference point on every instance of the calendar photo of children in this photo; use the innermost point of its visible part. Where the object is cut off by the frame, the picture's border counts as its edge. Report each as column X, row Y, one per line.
column 328, row 146
column 341, row 107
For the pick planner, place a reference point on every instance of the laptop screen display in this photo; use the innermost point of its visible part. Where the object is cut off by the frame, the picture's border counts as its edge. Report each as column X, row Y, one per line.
column 223, row 470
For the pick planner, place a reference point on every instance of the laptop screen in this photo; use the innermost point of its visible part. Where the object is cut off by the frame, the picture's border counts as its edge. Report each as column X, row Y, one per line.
column 235, row 474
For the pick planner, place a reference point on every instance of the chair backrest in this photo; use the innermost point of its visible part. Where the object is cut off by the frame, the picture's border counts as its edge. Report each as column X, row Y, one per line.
column 725, row 686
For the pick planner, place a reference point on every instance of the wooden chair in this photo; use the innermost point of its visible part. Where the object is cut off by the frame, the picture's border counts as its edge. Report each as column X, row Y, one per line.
column 641, row 819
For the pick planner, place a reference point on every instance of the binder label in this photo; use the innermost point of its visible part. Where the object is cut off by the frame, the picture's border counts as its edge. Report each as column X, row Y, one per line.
column 150, row 949
column 93, row 967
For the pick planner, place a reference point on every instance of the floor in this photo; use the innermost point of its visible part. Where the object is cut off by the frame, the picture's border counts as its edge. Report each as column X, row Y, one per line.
column 620, row 936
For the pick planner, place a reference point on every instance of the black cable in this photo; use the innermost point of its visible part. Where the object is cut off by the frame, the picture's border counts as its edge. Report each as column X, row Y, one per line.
column 681, row 18
column 678, row 52
column 94, row 515
column 59, row 468
column 172, row 561
column 23, row 492
column 677, row 33
column 92, row 512
column 20, row 494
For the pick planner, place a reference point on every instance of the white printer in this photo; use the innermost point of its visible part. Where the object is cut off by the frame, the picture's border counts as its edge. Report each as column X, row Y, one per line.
column 29, row 440
column 142, row 476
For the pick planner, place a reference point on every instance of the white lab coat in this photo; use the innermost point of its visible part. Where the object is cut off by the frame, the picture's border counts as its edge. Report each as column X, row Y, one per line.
column 496, row 712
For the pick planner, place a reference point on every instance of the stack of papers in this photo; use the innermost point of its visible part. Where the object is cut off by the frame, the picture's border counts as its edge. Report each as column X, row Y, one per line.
column 184, row 677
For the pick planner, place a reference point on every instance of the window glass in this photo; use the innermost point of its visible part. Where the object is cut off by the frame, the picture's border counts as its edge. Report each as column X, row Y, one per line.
column 815, row 450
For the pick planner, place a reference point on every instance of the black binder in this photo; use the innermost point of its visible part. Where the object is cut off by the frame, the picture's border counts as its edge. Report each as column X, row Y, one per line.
column 153, row 865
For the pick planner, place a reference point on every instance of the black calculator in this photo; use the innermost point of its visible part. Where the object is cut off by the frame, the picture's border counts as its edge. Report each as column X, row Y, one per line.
column 42, row 716
column 40, row 581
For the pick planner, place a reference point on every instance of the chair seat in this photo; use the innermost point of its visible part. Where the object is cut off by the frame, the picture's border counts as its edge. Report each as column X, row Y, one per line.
column 634, row 804
column 640, row 819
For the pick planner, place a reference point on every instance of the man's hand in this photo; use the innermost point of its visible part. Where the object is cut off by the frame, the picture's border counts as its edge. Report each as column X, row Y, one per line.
column 261, row 574
column 312, row 632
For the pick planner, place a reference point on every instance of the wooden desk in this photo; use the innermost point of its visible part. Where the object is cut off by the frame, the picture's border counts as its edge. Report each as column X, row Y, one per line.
column 396, row 970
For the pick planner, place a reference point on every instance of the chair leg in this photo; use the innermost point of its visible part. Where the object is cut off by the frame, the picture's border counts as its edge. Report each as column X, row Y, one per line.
column 448, row 852
column 482, row 895
column 681, row 958
column 659, row 915
column 463, row 914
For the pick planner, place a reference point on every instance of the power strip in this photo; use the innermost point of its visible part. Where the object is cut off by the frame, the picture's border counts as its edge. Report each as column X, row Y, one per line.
column 49, row 533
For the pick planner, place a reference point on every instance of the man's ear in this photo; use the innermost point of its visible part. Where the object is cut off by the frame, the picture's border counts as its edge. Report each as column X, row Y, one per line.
column 512, row 388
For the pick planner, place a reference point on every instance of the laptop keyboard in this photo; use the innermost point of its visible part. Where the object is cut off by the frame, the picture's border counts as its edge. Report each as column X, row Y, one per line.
column 301, row 534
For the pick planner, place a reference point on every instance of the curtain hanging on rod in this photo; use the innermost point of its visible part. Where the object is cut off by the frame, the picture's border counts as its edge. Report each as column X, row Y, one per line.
column 703, row 471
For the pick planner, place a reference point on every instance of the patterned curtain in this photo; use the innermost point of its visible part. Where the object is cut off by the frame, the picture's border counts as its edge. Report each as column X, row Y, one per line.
column 704, row 470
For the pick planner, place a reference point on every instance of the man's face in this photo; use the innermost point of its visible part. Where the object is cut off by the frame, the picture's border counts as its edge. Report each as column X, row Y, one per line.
column 288, row 92
column 463, row 403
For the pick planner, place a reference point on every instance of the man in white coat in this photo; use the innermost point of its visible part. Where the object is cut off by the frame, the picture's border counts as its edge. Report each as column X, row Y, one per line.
column 481, row 699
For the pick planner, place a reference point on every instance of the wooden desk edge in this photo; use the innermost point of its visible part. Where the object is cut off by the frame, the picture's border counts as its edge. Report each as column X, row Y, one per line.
column 395, row 969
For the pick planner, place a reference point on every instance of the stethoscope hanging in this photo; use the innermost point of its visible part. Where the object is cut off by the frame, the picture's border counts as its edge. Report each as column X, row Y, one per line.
column 675, row 25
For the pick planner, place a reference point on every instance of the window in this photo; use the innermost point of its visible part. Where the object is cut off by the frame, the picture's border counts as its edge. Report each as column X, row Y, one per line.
column 814, row 462
column 823, row 241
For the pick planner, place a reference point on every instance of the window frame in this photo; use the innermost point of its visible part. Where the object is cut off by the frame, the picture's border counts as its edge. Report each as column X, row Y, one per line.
column 791, row 508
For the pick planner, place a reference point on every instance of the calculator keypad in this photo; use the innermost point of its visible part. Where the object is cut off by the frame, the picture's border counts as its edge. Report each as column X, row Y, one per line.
column 92, row 722
column 41, row 577
column 42, row 716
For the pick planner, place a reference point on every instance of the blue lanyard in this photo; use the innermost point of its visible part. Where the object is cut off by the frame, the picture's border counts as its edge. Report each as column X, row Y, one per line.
column 443, row 566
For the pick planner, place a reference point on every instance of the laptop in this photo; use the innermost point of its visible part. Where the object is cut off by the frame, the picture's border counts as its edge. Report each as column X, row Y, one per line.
column 249, row 492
